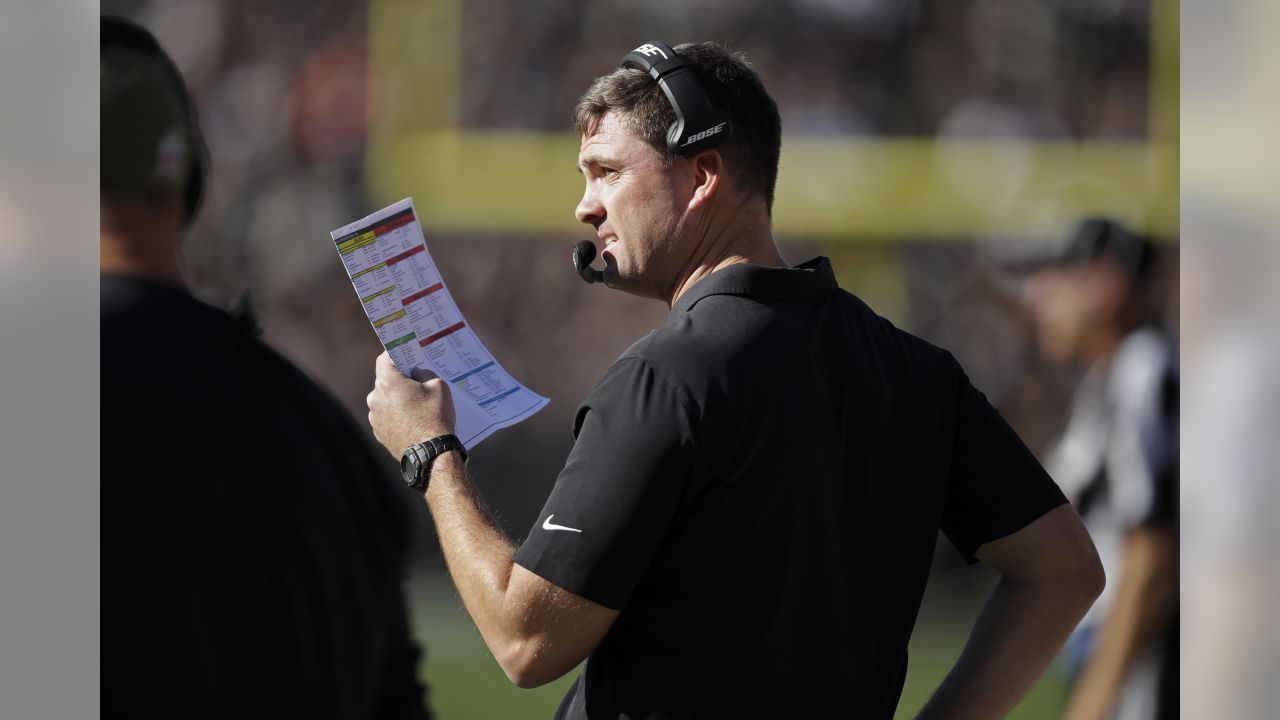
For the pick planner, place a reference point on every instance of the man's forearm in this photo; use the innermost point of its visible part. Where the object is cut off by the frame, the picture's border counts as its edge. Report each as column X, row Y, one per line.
column 536, row 630
column 477, row 553
column 1021, row 629
column 1144, row 597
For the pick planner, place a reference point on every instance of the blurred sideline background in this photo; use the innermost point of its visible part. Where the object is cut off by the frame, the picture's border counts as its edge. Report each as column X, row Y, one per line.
column 925, row 144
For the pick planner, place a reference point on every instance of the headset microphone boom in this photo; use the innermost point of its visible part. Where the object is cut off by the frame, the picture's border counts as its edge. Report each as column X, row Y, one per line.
column 583, row 253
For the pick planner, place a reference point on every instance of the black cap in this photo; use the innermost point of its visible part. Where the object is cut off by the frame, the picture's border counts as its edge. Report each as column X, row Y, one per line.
column 1099, row 238
column 150, row 137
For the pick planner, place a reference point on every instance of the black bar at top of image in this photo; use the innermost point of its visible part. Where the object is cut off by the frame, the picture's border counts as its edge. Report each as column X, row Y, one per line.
column 371, row 226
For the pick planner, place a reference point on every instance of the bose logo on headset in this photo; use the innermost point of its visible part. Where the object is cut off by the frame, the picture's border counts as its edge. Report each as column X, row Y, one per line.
column 699, row 124
column 704, row 134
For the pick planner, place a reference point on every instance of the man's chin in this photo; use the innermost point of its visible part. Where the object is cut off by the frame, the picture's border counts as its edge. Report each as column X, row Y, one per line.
column 612, row 279
column 615, row 280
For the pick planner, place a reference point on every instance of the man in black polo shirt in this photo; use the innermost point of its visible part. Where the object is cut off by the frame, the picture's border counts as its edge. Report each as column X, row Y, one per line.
column 746, row 522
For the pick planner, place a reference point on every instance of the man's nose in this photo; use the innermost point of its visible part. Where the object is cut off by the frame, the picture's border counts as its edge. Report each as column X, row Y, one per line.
column 590, row 210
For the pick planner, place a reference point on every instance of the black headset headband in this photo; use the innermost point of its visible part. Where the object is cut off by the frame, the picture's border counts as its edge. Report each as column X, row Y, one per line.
column 699, row 124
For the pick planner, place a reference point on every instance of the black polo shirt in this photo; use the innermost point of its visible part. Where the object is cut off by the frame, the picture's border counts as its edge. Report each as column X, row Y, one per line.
column 253, row 545
column 758, row 486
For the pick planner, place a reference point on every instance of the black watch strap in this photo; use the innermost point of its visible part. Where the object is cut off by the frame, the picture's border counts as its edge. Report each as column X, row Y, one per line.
column 415, row 464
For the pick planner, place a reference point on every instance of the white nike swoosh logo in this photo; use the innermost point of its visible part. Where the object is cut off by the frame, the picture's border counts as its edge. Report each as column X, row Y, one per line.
column 548, row 525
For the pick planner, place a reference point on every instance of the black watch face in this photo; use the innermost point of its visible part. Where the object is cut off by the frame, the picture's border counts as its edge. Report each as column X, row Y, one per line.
column 409, row 467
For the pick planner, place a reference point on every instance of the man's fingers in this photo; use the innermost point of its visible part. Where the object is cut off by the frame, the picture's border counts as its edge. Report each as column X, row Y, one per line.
column 386, row 366
column 438, row 385
column 388, row 376
column 402, row 408
column 423, row 374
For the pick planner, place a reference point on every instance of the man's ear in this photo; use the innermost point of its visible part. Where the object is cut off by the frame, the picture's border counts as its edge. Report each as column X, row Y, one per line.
column 708, row 171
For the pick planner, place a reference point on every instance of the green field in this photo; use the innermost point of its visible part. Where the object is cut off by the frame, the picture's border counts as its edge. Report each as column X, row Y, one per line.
column 466, row 683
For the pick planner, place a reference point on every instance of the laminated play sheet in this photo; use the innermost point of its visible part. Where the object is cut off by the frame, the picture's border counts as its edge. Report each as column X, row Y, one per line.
column 419, row 324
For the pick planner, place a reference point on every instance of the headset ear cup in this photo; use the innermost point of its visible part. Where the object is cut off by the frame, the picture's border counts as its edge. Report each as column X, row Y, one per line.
column 196, row 170
column 195, row 191
column 119, row 31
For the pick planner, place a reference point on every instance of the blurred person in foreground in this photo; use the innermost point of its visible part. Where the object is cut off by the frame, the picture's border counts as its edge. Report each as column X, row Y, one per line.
column 746, row 522
column 253, row 546
column 1117, row 461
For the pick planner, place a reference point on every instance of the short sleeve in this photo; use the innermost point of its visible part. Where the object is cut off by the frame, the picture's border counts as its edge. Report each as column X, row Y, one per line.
column 620, row 489
column 996, row 486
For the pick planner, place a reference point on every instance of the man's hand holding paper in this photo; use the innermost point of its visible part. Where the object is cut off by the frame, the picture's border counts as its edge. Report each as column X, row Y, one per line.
column 406, row 411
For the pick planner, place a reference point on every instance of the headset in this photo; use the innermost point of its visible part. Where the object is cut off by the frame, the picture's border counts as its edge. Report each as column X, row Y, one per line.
column 118, row 31
column 699, row 124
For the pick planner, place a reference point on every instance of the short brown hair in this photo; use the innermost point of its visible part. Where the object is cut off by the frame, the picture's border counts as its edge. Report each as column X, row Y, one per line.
column 730, row 83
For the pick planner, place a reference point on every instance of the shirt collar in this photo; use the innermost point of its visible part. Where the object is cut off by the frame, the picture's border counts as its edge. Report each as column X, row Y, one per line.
column 801, row 282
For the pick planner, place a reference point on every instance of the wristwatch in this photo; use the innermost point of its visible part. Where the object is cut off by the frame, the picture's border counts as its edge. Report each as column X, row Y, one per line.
column 415, row 464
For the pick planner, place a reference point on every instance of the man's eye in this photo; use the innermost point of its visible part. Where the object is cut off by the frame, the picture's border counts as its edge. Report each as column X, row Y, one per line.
column 608, row 172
